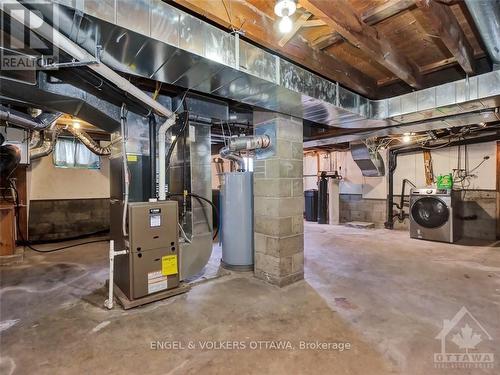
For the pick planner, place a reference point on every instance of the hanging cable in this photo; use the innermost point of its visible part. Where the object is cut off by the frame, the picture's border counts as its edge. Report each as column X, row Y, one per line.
column 196, row 196
column 126, row 179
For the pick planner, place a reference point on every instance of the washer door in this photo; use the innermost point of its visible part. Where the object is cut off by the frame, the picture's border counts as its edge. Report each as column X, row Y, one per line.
column 430, row 212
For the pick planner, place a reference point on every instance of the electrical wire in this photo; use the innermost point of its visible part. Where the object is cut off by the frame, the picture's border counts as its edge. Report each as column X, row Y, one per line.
column 196, row 196
column 182, row 101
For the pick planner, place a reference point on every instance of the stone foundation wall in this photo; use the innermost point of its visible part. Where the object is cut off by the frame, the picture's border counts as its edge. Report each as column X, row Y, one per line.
column 477, row 208
column 62, row 218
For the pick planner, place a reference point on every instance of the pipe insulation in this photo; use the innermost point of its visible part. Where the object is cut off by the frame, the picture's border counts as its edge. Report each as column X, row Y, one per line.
column 247, row 143
column 92, row 145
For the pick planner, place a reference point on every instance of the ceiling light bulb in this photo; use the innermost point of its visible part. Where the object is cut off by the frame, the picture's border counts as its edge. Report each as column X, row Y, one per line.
column 172, row 138
column 285, row 25
column 76, row 125
column 406, row 138
column 285, row 8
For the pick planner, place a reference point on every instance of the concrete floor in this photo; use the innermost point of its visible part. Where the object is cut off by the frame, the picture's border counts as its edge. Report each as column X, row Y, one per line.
column 378, row 290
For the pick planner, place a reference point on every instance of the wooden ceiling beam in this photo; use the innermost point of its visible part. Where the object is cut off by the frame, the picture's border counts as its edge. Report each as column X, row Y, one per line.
column 386, row 10
column 446, row 25
column 297, row 24
column 261, row 28
column 343, row 19
column 371, row 17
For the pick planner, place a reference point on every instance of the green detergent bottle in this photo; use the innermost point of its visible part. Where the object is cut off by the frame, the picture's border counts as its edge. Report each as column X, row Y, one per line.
column 445, row 181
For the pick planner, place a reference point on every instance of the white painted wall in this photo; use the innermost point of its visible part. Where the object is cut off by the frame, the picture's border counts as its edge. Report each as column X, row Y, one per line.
column 409, row 166
column 48, row 182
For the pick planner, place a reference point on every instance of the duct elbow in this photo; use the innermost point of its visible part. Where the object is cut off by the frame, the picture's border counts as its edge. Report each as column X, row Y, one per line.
column 226, row 153
column 244, row 144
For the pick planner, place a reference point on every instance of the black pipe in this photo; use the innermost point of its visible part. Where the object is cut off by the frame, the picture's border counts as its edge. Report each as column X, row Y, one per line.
column 393, row 163
column 152, row 155
column 323, row 199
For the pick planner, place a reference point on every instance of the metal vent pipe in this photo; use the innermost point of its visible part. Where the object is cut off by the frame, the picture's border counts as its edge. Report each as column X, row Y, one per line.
column 486, row 15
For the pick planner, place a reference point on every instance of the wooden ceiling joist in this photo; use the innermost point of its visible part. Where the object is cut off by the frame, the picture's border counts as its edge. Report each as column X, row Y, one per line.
column 446, row 25
column 371, row 17
column 386, row 10
column 297, row 24
column 343, row 19
column 261, row 28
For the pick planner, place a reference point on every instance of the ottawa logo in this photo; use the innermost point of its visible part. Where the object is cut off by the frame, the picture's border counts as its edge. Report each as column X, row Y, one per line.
column 463, row 334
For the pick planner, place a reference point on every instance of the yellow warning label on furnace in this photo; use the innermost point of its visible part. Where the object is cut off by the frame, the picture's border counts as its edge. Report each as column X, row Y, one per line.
column 132, row 157
column 169, row 265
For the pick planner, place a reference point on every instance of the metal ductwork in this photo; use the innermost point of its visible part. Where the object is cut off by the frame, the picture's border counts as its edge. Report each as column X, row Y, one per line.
column 370, row 162
column 243, row 144
column 486, row 15
column 25, row 121
column 187, row 52
column 87, row 140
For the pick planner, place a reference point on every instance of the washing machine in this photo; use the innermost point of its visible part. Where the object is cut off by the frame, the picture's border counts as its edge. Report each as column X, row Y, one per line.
column 433, row 215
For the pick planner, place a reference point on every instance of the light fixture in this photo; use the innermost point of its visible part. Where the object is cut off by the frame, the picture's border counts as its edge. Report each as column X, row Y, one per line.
column 285, row 8
column 406, row 137
column 172, row 138
column 76, row 125
column 285, row 25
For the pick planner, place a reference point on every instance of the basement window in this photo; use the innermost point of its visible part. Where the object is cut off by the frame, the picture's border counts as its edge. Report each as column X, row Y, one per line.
column 71, row 153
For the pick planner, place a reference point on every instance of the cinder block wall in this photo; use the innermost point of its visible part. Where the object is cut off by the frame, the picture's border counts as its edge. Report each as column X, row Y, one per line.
column 53, row 219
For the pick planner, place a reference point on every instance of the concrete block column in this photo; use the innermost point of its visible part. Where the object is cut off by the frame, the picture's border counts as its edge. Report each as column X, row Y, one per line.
column 279, row 202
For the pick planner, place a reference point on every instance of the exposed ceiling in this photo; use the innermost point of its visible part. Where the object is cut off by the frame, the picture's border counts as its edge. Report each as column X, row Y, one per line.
column 377, row 48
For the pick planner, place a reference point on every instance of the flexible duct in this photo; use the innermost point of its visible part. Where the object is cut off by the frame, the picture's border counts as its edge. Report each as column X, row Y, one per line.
column 25, row 121
column 47, row 145
column 35, row 139
column 92, row 145
column 486, row 15
column 243, row 144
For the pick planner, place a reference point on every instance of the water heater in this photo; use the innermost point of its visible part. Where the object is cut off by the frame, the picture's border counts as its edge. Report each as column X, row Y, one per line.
column 237, row 221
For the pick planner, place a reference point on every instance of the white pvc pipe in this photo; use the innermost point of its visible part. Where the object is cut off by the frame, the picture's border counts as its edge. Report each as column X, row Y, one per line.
column 109, row 302
column 162, row 138
column 80, row 54
column 112, row 253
